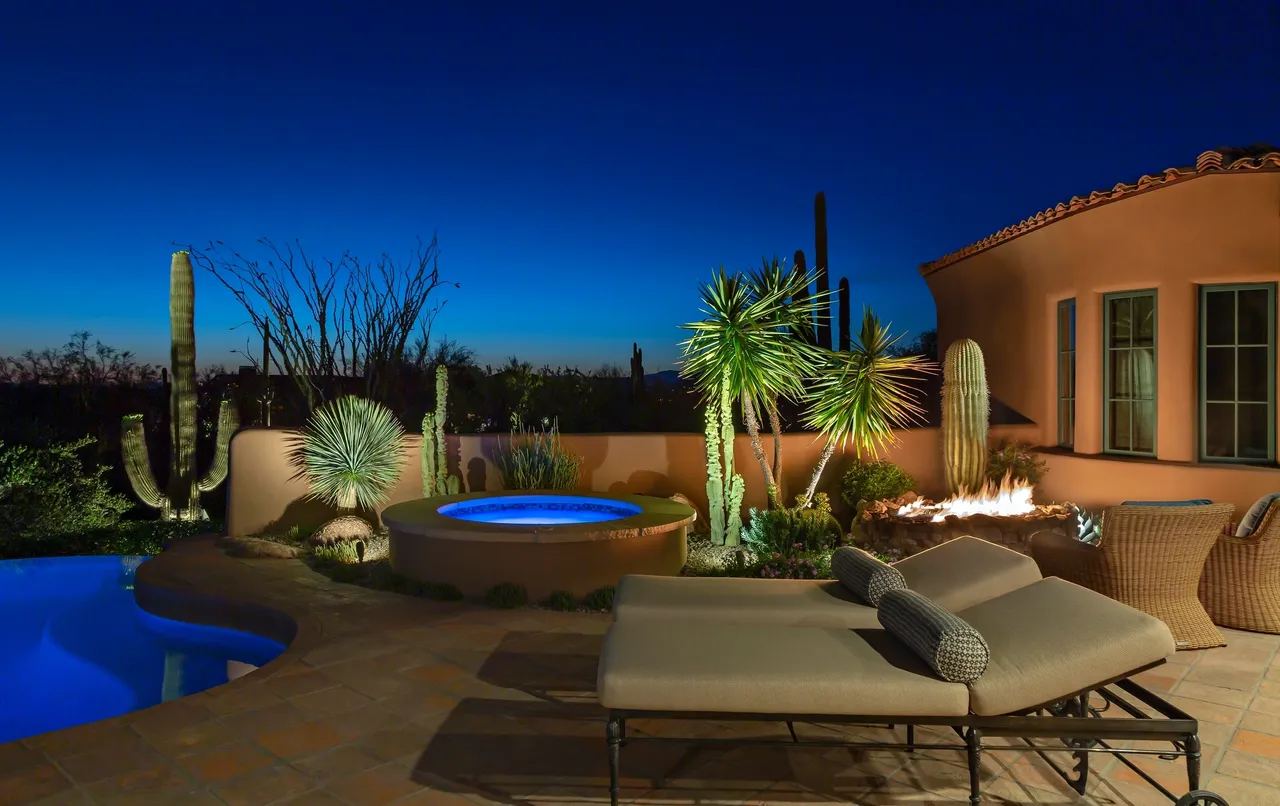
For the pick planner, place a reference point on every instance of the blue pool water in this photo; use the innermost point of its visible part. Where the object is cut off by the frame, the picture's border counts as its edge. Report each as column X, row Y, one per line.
column 540, row 510
column 76, row 648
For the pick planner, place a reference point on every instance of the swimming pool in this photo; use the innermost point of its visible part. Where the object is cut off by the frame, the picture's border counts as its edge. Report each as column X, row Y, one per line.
column 76, row 648
column 540, row 510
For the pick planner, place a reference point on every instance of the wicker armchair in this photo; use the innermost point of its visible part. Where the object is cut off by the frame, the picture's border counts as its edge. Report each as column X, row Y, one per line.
column 1150, row 558
column 1241, row 583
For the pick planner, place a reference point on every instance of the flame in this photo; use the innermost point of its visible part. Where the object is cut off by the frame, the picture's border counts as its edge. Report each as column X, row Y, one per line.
column 1009, row 498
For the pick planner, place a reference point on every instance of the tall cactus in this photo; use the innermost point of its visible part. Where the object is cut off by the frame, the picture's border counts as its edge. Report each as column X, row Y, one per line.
column 966, row 408
column 181, row 498
column 734, row 485
column 801, row 300
column 823, row 323
column 435, row 455
column 845, row 337
column 715, row 481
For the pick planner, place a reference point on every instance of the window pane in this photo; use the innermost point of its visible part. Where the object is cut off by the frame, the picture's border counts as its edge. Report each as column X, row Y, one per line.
column 1144, row 373
column 1144, row 427
column 1064, row 327
column 1220, row 317
column 1065, row 433
column 1064, row 375
column 1119, row 414
column 1119, row 385
column 1252, row 317
column 1072, row 374
column 1252, row 373
column 1144, row 321
column 1071, row 422
column 1219, row 429
column 1071, row 324
column 1252, row 427
column 1119, row 320
column 1219, row 373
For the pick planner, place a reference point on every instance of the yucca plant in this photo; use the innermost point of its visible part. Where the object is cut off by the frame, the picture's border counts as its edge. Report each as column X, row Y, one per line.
column 537, row 460
column 860, row 397
column 350, row 452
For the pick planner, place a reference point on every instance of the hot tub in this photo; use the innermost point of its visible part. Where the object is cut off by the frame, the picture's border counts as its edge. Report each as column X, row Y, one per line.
column 544, row 540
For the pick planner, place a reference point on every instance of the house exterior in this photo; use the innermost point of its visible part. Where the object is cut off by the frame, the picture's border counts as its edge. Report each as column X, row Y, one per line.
column 1137, row 328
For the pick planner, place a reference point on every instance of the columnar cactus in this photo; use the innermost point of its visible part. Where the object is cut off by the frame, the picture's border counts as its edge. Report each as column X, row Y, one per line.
column 435, row 456
column 845, row 337
column 637, row 370
column 181, row 498
column 715, row 481
column 734, row 485
column 823, row 323
column 801, row 300
column 966, row 408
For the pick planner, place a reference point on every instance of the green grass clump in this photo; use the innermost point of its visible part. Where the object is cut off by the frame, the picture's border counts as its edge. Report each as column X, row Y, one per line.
column 536, row 460
column 599, row 599
column 561, row 600
column 441, row 591
column 344, row 552
column 507, row 595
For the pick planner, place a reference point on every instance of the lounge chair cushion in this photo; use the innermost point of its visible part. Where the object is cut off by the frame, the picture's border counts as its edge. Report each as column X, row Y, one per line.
column 735, row 600
column 1253, row 517
column 707, row 667
column 966, row 570
column 1053, row 639
column 953, row 649
column 866, row 577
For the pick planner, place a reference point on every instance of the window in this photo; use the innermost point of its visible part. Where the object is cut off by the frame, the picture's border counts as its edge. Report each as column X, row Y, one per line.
column 1129, row 372
column 1237, row 372
column 1067, row 373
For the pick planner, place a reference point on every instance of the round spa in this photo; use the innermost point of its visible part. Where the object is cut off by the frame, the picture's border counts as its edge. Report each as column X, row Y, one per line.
column 544, row 540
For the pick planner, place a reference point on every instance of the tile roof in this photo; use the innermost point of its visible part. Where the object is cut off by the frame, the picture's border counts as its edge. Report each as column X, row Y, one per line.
column 1262, row 157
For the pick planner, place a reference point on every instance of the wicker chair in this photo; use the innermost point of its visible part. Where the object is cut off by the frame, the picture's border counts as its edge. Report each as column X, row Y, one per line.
column 1241, row 583
column 1150, row 558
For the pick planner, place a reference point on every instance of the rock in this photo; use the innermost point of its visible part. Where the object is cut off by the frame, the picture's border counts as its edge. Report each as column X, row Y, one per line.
column 256, row 548
column 343, row 529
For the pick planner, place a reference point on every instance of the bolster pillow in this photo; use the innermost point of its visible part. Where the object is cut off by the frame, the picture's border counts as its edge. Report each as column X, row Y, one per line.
column 865, row 576
column 950, row 645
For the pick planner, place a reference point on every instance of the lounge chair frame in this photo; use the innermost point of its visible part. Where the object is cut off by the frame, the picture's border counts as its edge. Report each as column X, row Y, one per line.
column 1074, row 720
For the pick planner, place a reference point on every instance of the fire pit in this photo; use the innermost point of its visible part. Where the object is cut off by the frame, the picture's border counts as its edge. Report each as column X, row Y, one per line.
column 1001, row 513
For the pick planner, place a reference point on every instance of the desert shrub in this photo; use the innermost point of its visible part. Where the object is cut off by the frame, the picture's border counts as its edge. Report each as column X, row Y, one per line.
column 709, row 559
column 599, row 599
column 779, row 530
column 441, row 591
column 1017, row 460
column 561, row 600
column 507, row 595
column 48, row 497
column 350, row 452
column 341, row 553
column 797, row 563
column 874, row 481
column 537, row 460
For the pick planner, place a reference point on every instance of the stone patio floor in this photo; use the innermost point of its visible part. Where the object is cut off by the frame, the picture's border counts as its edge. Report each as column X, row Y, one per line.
column 388, row 699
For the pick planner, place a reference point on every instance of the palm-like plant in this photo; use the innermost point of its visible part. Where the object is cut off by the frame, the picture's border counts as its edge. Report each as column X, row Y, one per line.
column 350, row 452
column 861, row 396
column 748, row 343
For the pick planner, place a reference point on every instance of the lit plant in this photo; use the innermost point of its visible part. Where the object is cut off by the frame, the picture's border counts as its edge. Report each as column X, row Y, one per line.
column 1018, row 461
column 350, row 452
column 435, row 456
column 537, row 460
column 966, row 409
column 874, row 481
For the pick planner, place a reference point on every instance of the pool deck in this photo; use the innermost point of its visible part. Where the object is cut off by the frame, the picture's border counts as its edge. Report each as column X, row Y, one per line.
column 388, row 699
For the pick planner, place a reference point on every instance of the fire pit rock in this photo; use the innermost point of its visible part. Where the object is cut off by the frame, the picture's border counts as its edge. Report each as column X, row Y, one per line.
column 884, row 530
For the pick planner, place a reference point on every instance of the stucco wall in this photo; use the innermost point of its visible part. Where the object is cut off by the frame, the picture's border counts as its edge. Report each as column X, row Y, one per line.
column 262, row 494
column 1219, row 228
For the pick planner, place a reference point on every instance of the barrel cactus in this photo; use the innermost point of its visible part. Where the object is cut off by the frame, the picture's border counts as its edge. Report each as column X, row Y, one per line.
column 966, row 408
column 180, row 499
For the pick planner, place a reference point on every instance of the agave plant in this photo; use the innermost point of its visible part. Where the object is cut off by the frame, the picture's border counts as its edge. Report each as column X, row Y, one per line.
column 748, row 342
column 861, row 396
column 350, row 453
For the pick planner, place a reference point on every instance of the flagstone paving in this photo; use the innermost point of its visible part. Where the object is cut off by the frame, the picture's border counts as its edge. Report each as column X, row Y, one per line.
column 388, row 699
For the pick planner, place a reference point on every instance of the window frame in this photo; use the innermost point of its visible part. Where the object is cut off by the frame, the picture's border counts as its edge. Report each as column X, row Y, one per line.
column 1202, row 372
column 1106, row 371
column 1065, row 440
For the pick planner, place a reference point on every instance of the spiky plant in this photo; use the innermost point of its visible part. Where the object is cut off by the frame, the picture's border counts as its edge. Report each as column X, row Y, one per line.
column 350, row 452
column 863, row 395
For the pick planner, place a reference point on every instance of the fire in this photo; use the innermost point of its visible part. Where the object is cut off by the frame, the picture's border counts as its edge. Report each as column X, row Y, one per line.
column 1009, row 498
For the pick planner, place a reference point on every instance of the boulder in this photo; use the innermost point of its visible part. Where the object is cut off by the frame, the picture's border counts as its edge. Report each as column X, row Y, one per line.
column 258, row 549
column 343, row 529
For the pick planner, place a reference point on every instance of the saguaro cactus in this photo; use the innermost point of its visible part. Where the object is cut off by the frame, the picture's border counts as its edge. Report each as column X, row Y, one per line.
column 181, row 497
column 823, row 284
column 966, row 408
column 845, row 338
column 435, row 455
column 637, row 370
column 801, row 300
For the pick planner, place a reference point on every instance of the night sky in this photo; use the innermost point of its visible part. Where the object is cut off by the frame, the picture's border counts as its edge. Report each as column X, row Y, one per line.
column 585, row 164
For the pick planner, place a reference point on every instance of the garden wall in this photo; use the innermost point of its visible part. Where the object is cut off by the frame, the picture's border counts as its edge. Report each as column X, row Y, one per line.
column 262, row 495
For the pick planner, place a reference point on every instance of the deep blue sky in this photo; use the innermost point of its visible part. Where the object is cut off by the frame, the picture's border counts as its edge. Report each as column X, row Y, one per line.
column 585, row 164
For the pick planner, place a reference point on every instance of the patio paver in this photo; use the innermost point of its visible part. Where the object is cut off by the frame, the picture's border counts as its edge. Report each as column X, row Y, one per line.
column 387, row 699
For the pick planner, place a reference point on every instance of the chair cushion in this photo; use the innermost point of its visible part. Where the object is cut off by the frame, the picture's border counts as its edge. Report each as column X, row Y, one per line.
column 1190, row 502
column 966, row 570
column 953, row 649
column 768, row 669
column 1253, row 517
column 1053, row 639
column 865, row 576
column 738, row 600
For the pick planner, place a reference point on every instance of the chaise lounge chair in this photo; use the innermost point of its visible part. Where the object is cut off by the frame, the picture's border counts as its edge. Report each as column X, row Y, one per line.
column 1025, row 664
column 956, row 574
